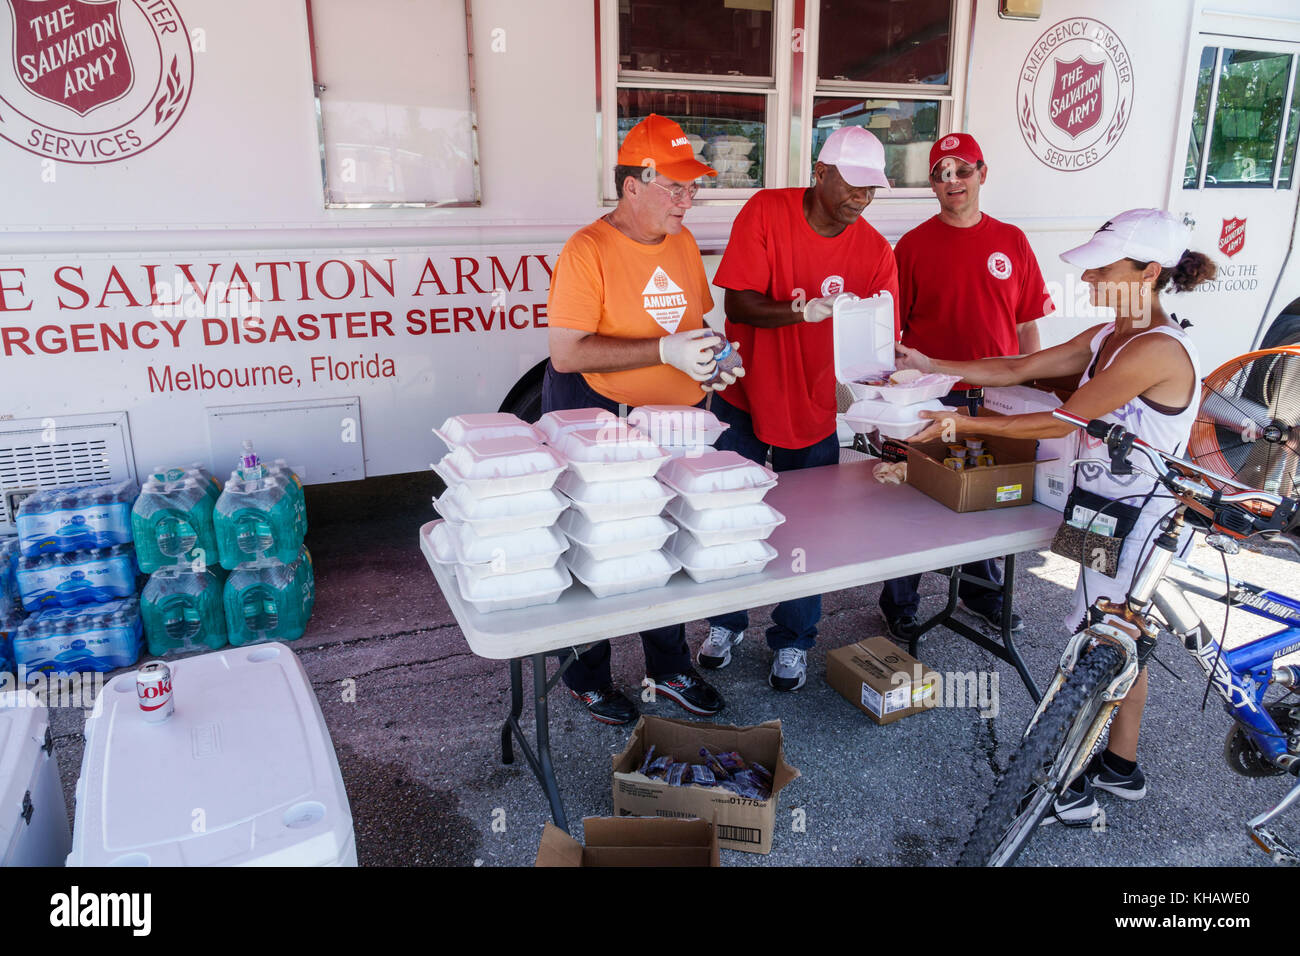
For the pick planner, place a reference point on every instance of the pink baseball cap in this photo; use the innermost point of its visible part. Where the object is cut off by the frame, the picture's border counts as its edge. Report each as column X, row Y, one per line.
column 857, row 154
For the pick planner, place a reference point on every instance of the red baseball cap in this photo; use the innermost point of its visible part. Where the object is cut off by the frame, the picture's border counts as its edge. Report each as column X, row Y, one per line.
column 957, row 145
column 659, row 142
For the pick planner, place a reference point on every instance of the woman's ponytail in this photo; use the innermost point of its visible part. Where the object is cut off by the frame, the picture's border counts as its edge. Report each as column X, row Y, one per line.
column 1192, row 269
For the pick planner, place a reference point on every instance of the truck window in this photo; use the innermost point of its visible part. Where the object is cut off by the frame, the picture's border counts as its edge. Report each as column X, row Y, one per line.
column 713, row 67
column 1252, row 132
column 394, row 106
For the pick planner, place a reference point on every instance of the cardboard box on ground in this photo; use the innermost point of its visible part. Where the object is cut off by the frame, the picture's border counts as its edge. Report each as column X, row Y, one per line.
column 742, row 823
column 1054, row 476
column 881, row 679
column 632, row 841
column 1007, row 484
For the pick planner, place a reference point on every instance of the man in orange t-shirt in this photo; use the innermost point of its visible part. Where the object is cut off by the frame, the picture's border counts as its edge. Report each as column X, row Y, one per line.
column 626, row 313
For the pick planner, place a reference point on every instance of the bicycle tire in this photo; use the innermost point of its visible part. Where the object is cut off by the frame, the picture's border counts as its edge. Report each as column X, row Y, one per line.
column 1003, row 829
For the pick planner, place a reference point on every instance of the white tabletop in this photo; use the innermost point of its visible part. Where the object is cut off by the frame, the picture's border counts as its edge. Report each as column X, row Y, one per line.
column 843, row 529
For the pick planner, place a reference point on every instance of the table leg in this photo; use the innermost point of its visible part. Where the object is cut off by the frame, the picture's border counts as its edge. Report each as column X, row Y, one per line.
column 1006, row 650
column 539, row 761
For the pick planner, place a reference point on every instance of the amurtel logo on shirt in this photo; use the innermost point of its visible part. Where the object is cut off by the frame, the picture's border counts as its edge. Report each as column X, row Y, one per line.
column 832, row 285
column 664, row 300
column 1000, row 265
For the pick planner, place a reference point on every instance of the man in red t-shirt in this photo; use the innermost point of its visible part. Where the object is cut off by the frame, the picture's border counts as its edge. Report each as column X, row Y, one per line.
column 792, row 253
column 969, row 288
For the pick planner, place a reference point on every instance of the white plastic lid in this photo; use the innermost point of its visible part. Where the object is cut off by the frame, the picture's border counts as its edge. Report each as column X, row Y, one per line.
column 715, row 471
column 460, row 429
column 863, row 331
column 677, row 425
column 557, row 423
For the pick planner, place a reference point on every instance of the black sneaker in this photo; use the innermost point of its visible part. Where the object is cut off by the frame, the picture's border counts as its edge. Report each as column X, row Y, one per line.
column 1131, row 786
column 992, row 616
column 689, row 690
column 607, row 705
column 904, row 628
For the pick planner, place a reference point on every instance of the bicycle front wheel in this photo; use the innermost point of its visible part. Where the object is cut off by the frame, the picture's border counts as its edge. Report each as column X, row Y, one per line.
column 1037, row 772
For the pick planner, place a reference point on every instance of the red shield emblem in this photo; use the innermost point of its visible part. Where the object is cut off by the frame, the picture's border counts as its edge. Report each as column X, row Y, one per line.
column 1233, row 237
column 71, row 52
column 1076, row 103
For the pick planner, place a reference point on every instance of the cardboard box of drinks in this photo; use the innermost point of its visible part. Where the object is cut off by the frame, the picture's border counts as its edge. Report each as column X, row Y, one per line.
column 1008, row 483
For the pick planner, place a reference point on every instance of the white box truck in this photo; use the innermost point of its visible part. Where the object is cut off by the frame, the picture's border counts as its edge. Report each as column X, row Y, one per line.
column 327, row 225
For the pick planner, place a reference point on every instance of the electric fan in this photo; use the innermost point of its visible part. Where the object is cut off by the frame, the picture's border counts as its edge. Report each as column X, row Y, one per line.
column 1248, row 426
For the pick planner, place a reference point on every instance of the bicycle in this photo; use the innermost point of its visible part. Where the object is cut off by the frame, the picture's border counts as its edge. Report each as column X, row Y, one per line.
column 1101, row 662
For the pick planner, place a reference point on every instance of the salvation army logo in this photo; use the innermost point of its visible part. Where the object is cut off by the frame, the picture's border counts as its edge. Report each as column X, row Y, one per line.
column 832, row 285
column 949, row 142
column 1000, row 265
column 1232, row 238
column 93, row 81
column 1074, row 97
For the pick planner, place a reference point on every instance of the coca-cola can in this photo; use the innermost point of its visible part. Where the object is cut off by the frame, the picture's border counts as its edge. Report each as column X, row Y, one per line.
column 153, row 691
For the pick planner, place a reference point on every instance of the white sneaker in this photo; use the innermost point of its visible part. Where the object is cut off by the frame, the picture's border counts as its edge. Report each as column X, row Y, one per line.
column 789, row 669
column 715, row 652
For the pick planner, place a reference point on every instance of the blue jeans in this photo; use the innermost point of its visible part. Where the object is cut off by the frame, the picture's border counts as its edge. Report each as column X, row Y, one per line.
column 899, row 596
column 666, row 651
column 794, row 623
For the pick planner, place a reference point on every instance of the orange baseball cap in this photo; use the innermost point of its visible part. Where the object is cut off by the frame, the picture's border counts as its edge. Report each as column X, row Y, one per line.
column 659, row 142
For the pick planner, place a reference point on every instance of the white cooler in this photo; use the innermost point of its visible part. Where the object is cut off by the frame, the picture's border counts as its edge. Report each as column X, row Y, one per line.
column 243, row 773
column 33, row 816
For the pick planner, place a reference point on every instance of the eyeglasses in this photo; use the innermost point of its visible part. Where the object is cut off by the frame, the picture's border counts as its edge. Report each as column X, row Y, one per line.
column 949, row 173
column 677, row 192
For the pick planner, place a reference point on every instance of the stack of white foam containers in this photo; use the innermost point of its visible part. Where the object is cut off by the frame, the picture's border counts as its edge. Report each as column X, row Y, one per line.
column 613, row 523
column 719, row 496
column 499, row 511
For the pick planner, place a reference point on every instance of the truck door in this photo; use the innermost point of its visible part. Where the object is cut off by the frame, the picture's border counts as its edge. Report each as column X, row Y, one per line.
column 1234, row 183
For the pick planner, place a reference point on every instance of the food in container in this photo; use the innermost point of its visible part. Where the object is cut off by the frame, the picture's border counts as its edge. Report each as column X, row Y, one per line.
column 922, row 389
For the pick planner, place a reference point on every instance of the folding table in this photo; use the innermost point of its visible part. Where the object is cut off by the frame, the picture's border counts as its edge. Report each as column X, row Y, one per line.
column 843, row 529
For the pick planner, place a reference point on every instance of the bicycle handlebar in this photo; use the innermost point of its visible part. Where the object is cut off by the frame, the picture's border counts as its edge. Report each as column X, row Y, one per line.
column 1174, row 472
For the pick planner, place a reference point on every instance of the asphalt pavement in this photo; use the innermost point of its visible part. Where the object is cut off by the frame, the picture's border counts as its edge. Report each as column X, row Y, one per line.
column 419, row 744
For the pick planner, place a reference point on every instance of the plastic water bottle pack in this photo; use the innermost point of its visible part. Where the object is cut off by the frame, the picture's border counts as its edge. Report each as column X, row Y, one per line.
column 69, row 578
column 70, row 519
column 172, row 521
column 182, row 611
column 10, row 618
column 94, row 637
column 261, row 513
column 269, row 600
column 8, row 564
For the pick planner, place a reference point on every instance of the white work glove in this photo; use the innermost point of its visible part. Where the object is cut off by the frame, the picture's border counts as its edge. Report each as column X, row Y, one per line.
column 821, row 309
column 691, row 352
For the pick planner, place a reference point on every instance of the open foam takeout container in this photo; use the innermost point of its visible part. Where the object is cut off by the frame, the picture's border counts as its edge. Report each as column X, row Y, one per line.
column 929, row 386
column 863, row 331
column 500, row 466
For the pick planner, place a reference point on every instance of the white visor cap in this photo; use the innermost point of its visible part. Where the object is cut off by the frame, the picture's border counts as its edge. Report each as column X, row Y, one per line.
column 1147, row 235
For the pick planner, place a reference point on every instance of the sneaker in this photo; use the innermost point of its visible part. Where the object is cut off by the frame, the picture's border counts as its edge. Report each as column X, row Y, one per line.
column 715, row 652
column 607, row 705
column 689, row 690
column 789, row 669
column 1131, row 786
column 1075, row 808
column 904, row 628
column 992, row 616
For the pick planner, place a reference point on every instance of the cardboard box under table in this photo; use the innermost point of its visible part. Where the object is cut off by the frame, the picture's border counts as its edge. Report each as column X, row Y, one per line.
column 742, row 823
column 881, row 679
column 632, row 841
column 1007, row 484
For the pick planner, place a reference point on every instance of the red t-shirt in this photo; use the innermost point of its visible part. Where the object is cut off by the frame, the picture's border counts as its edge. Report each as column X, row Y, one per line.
column 963, row 292
column 789, row 383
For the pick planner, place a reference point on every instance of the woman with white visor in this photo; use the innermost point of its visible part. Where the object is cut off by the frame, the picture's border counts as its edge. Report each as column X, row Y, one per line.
column 1140, row 371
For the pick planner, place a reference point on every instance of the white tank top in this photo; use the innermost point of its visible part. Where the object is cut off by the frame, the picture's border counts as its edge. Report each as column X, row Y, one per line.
column 1167, row 432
